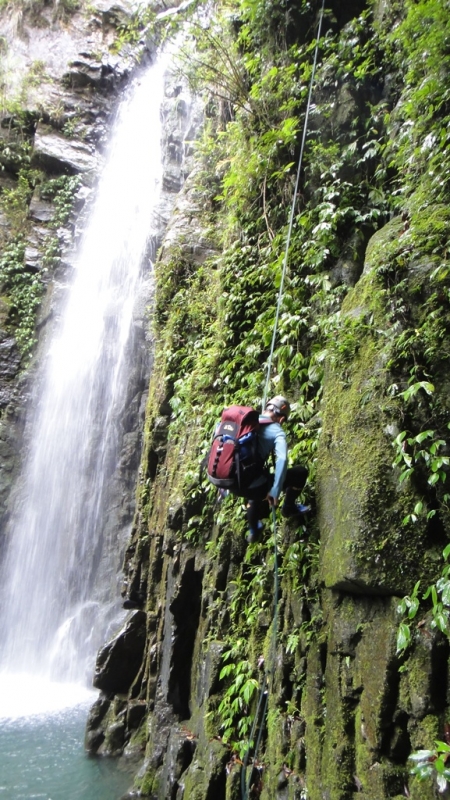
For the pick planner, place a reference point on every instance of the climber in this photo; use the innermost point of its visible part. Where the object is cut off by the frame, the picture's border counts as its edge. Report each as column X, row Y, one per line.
column 267, row 487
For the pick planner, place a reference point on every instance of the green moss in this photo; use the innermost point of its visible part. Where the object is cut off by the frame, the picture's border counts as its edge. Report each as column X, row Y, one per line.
column 314, row 712
column 384, row 245
column 426, row 731
column 139, row 737
column 363, row 507
column 147, row 785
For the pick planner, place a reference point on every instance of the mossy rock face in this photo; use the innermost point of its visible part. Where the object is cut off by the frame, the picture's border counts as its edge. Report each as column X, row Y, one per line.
column 347, row 704
column 365, row 545
column 363, row 716
column 313, row 710
column 205, row 776
column 383, row 244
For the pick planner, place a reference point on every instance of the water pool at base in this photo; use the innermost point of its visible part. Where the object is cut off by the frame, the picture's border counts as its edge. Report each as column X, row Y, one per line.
column 43, row 758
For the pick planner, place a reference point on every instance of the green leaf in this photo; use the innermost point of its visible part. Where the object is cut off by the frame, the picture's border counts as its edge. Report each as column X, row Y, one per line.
column 405, row 475
column 441, row 621
column 403, row 637
column 434, row 597
column 416, row 589
column 226, row 670
column 421, row 755
column 443, row 747
column 424, row 435
column 445, row 592
column 413, row 608
column 401, row 608
column 439, row 765
column 399, row 439
column 249, row 688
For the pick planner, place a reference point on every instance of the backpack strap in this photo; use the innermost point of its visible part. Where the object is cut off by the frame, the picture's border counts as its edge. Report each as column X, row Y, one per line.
column 267, row 421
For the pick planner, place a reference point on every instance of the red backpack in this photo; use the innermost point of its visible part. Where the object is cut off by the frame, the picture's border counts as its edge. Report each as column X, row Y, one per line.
column 233, row 461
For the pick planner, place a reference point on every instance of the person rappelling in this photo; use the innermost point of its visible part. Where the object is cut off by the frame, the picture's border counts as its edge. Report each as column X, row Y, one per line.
column 244, row 441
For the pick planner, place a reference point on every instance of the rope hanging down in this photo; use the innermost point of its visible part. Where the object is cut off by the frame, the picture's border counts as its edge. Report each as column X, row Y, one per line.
column 261, row 709
column 291, row 217
column 263, row 699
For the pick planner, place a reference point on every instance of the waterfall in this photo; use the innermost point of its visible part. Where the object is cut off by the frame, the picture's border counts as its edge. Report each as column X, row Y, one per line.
column 58, row 576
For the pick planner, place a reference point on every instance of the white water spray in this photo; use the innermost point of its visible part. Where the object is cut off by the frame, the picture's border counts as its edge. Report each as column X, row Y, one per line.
column 53, row 619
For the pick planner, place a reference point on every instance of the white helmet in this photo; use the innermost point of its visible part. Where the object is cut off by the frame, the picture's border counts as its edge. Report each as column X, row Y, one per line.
column 280, row 405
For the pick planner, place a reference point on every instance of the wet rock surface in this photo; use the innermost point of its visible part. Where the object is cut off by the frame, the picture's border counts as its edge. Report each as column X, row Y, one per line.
column 55, row 153
column 118, row 662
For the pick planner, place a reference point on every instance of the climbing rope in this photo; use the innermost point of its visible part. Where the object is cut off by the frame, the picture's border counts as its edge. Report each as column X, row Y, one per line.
column 263, row 699
column 291, row 216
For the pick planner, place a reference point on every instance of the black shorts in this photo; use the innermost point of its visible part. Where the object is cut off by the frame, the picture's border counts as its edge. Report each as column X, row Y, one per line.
column 295, row 478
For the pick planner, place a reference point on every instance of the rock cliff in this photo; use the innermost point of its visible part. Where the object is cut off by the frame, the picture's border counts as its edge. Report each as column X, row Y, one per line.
column 362, row 350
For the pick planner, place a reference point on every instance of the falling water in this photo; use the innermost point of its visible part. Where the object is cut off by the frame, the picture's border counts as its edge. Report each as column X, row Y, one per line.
column 53, row 603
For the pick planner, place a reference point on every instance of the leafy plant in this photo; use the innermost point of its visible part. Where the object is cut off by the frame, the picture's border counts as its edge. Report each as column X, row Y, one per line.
column 409, row 606
column 36, row 73
column 24, row 291
column 439, row 594
column 22, row 286
column 61, row 191
column 411, row 450
column 15, row 201
column 433, row 764
column 130, row 30
column 234, row 707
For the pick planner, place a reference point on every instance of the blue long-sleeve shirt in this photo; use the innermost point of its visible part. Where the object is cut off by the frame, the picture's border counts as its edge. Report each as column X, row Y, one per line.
column 272, row 438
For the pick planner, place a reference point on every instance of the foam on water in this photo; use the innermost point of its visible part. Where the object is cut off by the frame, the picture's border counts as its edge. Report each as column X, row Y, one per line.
column 26, row 695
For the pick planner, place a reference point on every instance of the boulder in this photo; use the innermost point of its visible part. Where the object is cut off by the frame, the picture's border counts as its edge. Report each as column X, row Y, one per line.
column 9, row 359
column 87, row 71
column 32, row 258
column 40, row 210
column 119, row 660
column 114, row 12
column 57, row 153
